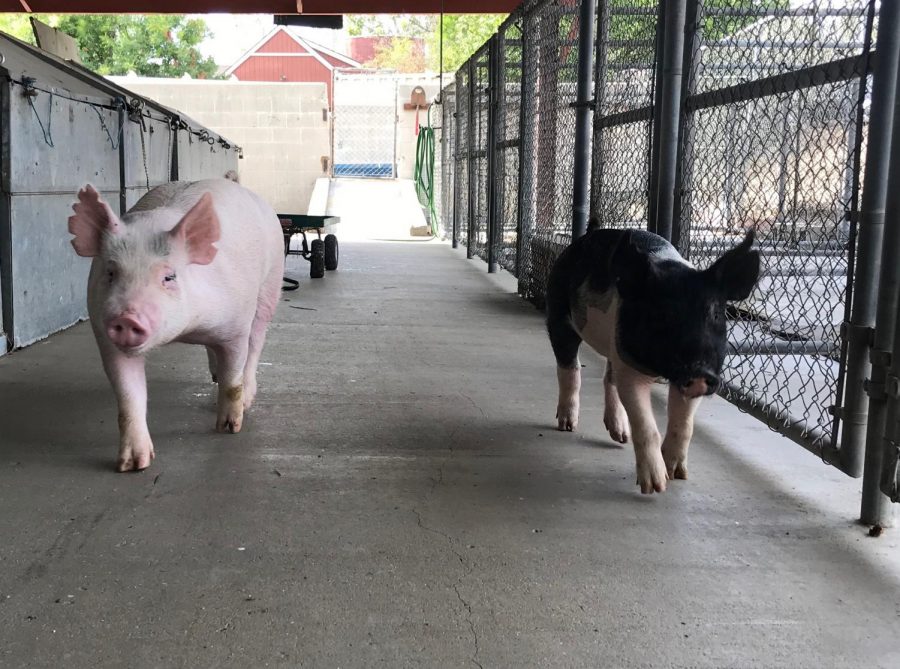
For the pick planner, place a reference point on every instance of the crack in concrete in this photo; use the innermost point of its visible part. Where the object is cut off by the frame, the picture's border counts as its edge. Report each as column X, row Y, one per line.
column 469, row 570
column 474, row 404
column 468, row 608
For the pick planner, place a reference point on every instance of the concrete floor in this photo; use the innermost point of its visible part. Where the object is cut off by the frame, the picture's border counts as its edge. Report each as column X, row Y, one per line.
column 399, row 497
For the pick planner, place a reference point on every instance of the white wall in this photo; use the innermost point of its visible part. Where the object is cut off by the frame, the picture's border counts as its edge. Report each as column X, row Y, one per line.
column 280, row 126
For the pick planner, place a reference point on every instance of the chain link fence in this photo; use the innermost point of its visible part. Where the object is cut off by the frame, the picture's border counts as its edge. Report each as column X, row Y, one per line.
column 771, row 135
column 445, row 166
column 365, row 125
column 625, row 76
column 772, row 139
column 550, row 33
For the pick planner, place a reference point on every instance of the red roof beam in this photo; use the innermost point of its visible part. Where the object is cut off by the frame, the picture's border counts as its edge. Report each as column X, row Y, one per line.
column 260, row 6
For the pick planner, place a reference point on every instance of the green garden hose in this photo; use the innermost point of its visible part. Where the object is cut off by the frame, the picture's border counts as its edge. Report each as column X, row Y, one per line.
column 424, row 174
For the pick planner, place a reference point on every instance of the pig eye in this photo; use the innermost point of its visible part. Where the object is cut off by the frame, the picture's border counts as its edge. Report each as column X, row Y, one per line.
column 169, row 278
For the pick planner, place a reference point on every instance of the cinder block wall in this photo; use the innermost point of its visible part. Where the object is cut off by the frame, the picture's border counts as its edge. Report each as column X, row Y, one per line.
column 283, row 128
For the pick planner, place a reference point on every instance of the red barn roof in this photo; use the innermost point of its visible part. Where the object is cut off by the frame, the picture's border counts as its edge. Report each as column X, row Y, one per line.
column 282, row 55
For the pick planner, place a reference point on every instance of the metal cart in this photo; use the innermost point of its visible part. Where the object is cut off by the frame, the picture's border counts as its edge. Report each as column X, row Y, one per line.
column 322, row 253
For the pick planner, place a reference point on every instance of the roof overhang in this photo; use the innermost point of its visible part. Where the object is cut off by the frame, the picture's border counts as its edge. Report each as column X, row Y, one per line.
column 260, row 6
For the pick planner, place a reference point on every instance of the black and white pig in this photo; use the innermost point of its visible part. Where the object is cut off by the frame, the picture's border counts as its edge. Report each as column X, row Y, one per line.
column 637, row 302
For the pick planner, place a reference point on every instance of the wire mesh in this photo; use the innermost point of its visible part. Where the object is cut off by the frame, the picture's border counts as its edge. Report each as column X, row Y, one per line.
column 548, row 137
column 509, row 98
column 771, row 136
column 461, row 159
column 365, row 120
column 478, row 230
column 447, row 164
column 771, row 142
column 625, row 74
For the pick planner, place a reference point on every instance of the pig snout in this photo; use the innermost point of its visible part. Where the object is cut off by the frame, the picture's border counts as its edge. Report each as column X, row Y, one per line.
column 703, row 383
column 128, row 331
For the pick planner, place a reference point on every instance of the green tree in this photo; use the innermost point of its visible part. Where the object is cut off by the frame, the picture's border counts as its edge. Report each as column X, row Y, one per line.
column 395, row 25
column 463, row 35
column 400, row 54
column 19, row 25
column 153, row 46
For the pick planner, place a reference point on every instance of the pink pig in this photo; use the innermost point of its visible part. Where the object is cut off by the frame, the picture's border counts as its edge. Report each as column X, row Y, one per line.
column 199, row 263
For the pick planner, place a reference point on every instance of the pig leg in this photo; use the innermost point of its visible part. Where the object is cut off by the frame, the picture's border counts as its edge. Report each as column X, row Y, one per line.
column 129, row 382
column 565, row 342
column 614, row 416
column 232, row 358
column 257, row 339
column 634, row 391
column 265, row 310
column 679, row 432
column 213, row 364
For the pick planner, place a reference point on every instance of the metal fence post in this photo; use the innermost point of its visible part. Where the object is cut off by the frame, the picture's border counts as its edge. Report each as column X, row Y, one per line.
column 582, row 169
column 454, row 160
column 491, row 149
column 680, row 237
column 653, row 176
column 883, row 456
column 471, row 65
column 123, row 178
column 525, row 213
column 876, row 239
column 669, row 102
column 870, row 254
column 601, row 47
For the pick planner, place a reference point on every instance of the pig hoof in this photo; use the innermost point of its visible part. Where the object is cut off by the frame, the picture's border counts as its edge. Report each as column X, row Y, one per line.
column 135, row 459
column 618, row 433
column 618, row 428
column 651, row 475
column 676, row 465
column 230, row 423
column 678, row 471
column 567, row 418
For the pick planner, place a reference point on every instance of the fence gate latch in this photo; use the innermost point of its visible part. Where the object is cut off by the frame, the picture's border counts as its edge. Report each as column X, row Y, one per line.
column 857, row 333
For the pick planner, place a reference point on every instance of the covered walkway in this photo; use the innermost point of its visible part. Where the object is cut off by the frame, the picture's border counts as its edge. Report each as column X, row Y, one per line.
column 399, row 497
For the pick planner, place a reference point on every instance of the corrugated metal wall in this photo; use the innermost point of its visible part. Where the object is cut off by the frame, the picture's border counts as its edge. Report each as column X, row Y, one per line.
column 61, row 127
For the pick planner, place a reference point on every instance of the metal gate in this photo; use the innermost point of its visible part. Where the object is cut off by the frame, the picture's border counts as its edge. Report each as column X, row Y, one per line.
column 710, row 118
column 365, row 125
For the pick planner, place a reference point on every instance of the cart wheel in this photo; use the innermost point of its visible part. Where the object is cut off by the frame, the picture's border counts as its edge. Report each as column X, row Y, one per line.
column 317, row 259
column 331, row 252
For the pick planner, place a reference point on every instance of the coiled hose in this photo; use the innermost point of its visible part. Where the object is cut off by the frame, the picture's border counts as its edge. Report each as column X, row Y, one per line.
column 424, row 172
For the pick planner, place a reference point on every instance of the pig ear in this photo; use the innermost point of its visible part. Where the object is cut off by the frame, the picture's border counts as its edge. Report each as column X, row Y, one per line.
column 198, row 231
column 91, row 219
column 634, row 270
column 737, row 271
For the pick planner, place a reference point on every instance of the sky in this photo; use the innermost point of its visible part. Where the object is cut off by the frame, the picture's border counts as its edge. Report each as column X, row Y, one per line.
column 235, row 34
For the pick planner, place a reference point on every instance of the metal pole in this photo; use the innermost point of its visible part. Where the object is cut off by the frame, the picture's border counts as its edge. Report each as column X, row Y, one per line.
column 600, row 70
column 653, row 176
column 681, row 237
column 527, row 142
column 493, row 117
column 669, row 101
column 457, row 159
column 123, row 180
column 582, row 187
column 470, row 154
column 879, row 204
